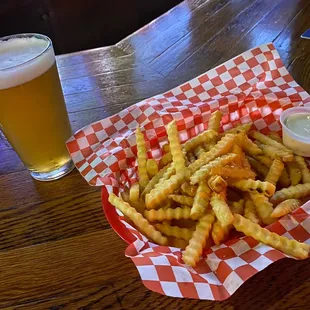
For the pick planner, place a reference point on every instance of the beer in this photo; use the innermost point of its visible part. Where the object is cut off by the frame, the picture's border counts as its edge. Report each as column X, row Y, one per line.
column 33, row 114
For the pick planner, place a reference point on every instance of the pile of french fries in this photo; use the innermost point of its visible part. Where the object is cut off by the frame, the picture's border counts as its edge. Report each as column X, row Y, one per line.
column 203, row 189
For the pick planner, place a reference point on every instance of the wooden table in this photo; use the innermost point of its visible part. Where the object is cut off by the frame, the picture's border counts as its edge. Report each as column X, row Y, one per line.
column 57, row 249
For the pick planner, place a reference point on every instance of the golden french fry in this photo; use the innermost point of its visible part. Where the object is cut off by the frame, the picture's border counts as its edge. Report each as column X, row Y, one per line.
column 215, row 120
column 221, row 209
column 238, row 129
column 249, row 210
column 238, row 151
column 217, row 183
column 286, row 207
column 154, row 181
column 175, row 147
column 249, row 185
column 275, row 136
column 167, row 214
column 165, row 160
column 141, row 223
column 204, row 137
column 287, row 246
column 248, row 145
column 141, row 158
column 157, row 195
column 284, row 180
column 268, row 141
column 194, row 250
column 237, row 207
column 294, row 172
column 188, row 189
column 138, row 205
column 177, row 243
column 274, row 152
column 182, row 200
column 166, row 148
column 263, row 207
column 191, row 157
column 304, row 169
column 275, row 172
column 209, row 146
column 174, row 231
column 219, row 233
column 134, row 192
column 295, row 191
column 205, row 170
column 168, row 173
column 233, row 172
column 259, row 168
column 201, row 200
column 151, row 167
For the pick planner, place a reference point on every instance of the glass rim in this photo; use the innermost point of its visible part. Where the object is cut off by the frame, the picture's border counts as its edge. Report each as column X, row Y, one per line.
column 27, row 35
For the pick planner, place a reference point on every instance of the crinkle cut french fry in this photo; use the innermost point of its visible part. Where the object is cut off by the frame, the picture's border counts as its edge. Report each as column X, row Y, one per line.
column 188, row 189
column 165, row 160
column 166, row 148
column 287, row 246
column 250, row 185
column 177, row 243
column 182, row 200
column 157, row 195
column 268, row 141
column 249, row 210
column 219, row 233
column 238, row 151
column 275, row 136
column 274, row 152
column 175, row 147
column 259, row 168
column 237, row 207
column 233, row 172
column 198, row 241
column 217, row 183
column 215, row 120
column 168, row 214
column 238, row 129
column 204, row 137
column 205, row 170
column 134, row 192
column 248, row 145
column 154, row 181
column 284, row 180
column 294, row 172
column 141, row 158
column 275, row 171
column 286, row 207
column 295, row 191
column 141, row 223
column 168, row 173
column 174, row 231
column 201, row 200
column 221, row 209
column 138, row 205
column 209, row 146
column 151, row 167
column 263, row 207
column 304, row 169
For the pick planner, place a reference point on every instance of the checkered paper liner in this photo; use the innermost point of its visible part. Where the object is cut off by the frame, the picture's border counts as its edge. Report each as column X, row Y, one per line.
column 252, row 87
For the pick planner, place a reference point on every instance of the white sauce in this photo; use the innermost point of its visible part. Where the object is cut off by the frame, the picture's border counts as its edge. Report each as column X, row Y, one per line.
column 299, row 123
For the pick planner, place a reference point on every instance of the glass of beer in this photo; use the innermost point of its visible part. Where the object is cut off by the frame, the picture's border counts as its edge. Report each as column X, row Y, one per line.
column 33, row 115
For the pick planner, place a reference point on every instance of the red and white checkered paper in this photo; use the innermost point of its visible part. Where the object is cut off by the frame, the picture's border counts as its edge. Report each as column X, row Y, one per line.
column 252, row 87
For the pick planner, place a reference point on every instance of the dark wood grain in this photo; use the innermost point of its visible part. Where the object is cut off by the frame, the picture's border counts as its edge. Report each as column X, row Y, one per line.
column 57, row 250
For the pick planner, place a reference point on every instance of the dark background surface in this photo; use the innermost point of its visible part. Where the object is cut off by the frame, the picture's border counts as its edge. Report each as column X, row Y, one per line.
column 76, row 25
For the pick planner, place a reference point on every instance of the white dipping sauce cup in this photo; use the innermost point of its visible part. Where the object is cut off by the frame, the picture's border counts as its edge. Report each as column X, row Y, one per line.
column 300, row 145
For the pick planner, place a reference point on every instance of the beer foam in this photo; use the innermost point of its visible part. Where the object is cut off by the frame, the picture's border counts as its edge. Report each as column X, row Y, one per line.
column 20, row 63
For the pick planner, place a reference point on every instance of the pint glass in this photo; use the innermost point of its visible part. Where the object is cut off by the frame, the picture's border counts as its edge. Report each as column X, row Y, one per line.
column 33, row 115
